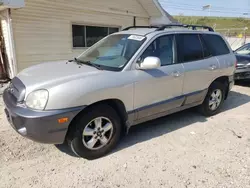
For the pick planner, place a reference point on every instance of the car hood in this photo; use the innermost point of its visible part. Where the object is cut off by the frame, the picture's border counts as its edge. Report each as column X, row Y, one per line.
column 243, row 59
column 55, row 73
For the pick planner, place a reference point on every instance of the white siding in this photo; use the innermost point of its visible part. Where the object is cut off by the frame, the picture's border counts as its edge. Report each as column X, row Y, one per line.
column 43, row 29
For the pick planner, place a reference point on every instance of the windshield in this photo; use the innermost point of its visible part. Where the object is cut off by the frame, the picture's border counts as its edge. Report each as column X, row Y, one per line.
column 113, row 52
column 244, row 50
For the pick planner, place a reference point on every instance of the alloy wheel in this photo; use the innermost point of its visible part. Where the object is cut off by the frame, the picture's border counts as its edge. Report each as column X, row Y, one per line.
column 215, row 99
column 97, row 133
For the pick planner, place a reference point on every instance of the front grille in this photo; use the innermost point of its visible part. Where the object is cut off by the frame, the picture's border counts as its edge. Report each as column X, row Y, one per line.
column 17, row 89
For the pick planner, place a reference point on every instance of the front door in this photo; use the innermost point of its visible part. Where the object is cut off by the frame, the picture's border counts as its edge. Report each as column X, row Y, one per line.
column 159, row 90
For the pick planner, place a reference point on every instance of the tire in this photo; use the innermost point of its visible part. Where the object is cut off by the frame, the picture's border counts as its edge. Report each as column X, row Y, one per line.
column 207, row 109
column 89, row 121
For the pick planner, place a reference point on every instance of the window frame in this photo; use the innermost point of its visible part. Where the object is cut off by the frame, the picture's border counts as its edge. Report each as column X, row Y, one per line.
column 203, row 43
column 198, row 34
column 85, row 25
column 153, row 40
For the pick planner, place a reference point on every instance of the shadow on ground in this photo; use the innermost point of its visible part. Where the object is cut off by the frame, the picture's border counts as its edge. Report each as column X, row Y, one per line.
column 165, row 125
column 66, row 149
column 244, row 83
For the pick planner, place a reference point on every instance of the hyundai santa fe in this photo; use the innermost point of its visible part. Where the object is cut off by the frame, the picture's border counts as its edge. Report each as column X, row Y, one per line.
column 133, row 76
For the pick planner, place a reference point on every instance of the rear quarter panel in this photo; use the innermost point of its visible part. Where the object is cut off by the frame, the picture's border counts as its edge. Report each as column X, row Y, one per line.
column 227, row 64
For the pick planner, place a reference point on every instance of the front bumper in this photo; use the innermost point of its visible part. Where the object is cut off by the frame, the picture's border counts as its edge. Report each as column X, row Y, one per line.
column 242, row 74
column 39, row 126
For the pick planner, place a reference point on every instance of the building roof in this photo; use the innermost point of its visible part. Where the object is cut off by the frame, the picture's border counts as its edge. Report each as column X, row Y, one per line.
column 150, row 8
column 164, row 12
column 156, row 12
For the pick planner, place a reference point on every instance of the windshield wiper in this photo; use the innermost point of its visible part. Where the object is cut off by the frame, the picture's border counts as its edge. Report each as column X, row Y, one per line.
column 79, row 62
column 92, row 64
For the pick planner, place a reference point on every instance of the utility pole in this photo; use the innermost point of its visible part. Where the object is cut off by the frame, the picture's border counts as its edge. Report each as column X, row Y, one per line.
column 207, row 7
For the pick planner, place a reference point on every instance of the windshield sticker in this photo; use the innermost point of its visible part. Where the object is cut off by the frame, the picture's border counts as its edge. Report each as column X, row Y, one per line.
column 136, row 37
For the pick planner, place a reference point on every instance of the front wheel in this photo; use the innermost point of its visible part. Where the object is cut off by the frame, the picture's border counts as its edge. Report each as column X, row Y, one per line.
column 214, row 99
column 95, row 133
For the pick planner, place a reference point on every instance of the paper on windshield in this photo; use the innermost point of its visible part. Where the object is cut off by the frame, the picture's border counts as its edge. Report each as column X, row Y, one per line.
column 136, row 37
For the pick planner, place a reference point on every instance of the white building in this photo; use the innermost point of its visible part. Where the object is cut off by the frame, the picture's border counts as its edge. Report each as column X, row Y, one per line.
column 37, row 31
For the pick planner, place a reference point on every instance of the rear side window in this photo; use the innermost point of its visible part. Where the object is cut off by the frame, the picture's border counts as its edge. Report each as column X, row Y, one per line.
column 216, row 44
column 189, row 48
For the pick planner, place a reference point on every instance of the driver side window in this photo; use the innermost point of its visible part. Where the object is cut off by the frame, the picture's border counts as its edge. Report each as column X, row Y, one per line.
column 162, row 48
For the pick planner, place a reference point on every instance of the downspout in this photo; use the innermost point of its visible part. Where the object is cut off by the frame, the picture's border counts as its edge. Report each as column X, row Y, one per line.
column 134, row 21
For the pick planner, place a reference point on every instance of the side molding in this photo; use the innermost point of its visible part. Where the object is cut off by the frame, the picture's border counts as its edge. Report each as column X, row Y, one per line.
column 166, row 107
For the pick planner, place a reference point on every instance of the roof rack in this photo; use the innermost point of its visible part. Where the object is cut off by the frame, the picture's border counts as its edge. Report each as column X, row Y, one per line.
column 194, row 27
column 162, row 27
column 136, row 27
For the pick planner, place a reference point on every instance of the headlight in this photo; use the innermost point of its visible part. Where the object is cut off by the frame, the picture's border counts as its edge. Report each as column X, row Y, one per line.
column 37, row 99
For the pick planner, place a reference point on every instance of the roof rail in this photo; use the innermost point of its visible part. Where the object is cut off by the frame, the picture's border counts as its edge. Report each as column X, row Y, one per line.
column 194, row 27
column 136, row 27
column 162, row 27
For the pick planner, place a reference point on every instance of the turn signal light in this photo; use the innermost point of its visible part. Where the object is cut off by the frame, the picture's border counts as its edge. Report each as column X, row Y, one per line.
column 63, row 120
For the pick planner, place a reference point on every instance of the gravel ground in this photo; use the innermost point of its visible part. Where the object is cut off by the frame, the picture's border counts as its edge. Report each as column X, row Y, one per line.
column 182, row 150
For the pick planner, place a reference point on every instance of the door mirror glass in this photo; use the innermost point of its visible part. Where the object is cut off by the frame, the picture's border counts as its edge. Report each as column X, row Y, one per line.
column 149, row 63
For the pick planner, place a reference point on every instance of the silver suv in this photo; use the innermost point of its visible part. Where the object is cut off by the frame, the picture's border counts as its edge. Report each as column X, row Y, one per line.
column 127, row 78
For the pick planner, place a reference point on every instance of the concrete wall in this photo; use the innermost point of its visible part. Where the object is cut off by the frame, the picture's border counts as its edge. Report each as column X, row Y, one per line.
column 236, row 42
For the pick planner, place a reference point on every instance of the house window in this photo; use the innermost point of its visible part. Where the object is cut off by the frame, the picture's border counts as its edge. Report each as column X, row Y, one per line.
column 78, row 36
column 86, row 36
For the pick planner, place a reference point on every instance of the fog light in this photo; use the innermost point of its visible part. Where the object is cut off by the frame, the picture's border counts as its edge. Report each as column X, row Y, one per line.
column 22, row 131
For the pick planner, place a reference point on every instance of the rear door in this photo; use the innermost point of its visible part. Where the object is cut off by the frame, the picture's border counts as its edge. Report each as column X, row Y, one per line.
column 201, row 68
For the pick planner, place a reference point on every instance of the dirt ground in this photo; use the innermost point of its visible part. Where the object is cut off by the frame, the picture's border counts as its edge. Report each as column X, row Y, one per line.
column 182, row 150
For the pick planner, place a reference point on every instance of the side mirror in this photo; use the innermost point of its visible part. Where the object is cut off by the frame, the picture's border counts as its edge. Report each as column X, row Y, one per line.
column 149, row 63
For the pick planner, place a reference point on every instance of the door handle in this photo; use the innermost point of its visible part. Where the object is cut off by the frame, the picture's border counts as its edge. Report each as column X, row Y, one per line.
column 212, row 67
column 176, row 74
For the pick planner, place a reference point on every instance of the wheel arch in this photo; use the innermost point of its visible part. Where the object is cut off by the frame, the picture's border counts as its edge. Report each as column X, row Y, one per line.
column 116, row 104
column 223, row 80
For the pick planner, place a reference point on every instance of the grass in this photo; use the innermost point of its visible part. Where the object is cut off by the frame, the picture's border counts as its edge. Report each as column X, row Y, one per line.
column 221, row 24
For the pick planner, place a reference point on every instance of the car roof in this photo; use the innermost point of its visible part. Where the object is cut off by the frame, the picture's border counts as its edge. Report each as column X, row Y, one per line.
column 146, row 31
column 138, row 31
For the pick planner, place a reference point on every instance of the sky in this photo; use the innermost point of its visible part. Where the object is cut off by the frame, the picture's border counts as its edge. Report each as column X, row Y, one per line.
column 224, row 8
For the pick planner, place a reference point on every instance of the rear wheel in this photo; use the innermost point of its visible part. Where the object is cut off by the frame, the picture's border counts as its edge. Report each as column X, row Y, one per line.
column 95, row 133
column 214, row 99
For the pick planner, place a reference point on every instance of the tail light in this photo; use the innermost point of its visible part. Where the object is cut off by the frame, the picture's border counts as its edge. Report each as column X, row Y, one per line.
column 235, row 65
